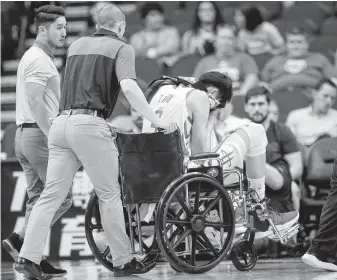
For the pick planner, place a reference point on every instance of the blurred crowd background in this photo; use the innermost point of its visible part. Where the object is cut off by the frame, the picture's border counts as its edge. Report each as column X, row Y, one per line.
column 289, row 47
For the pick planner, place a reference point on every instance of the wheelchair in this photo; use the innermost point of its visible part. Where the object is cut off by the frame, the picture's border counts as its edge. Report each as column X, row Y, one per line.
column 190, row 218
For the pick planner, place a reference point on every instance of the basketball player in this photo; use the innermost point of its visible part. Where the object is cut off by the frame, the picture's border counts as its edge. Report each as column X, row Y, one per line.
column 193, row 104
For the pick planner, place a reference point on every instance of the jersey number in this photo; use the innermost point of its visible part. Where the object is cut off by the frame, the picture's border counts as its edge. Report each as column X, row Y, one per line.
column 159, row 113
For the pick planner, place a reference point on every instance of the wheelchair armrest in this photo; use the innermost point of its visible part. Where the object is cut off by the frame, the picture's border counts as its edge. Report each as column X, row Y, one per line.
column 204, row 156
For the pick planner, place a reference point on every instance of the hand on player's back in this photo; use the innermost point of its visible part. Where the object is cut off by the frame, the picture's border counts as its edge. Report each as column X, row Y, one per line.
column 166, row 127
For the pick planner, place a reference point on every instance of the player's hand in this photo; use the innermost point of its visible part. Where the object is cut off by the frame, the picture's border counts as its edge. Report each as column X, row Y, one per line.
column 166, row 128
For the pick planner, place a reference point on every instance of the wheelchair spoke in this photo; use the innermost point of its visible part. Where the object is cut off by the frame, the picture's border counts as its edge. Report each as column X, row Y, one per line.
column 182, row 203
column 181, row 238
column 178, row 222
column 193, row 249
column 217, row 225
column 175, row 217
column 174, row 235
column 106, row 252
column 197, row 199
column 209, row 244
column 98, row 226
column 209, row 207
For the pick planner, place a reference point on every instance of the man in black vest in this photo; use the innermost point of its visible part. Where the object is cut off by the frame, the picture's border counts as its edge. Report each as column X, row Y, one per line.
column 97, row 66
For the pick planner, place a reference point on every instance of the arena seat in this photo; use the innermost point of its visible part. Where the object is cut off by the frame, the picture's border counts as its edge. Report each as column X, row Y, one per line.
column 286, row 25
column 316, row 181
column 309, row 11
column 261, row 59
column 288, row 101
column 7, row 143
column 328, row 27
column 147, row 69
column 270, row 9
column 184, row 66
column 238, row 102
column 326, row 45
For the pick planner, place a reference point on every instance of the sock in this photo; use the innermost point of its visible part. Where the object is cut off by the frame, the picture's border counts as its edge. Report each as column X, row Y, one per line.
column 258, row 185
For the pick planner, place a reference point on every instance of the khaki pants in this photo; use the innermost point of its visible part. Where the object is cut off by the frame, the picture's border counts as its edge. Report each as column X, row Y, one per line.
column 31, row 149
column 77, row 140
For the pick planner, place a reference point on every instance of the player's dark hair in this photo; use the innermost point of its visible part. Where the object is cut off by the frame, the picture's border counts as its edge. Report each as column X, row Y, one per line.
column 150, row 6
column 47, row 14
column 257, row 91
column 220, row 81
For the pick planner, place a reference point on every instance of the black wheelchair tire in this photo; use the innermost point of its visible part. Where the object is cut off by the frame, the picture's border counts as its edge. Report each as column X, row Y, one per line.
column 240, row 247
column 160, row 224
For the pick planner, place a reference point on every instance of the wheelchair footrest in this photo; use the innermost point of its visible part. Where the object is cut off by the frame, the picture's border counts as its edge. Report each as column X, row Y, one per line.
column 285, row 234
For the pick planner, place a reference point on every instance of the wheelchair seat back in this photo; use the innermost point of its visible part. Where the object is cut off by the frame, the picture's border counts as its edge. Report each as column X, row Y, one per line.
column 320, row 161
column 149, row 162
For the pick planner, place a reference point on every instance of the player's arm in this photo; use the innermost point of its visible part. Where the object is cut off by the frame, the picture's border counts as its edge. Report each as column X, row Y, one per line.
column 198, row 104
column 37, row 106
column 126, row 74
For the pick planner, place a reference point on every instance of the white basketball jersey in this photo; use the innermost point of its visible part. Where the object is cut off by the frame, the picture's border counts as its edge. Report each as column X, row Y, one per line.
column 169, row 104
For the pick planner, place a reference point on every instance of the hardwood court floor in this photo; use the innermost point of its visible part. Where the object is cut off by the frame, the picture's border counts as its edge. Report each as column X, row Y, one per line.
column 280, row 269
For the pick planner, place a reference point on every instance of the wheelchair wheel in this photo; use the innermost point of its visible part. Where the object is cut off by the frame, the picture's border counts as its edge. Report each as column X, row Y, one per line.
column 244, row 255
column 97, row 239
column 199, row 235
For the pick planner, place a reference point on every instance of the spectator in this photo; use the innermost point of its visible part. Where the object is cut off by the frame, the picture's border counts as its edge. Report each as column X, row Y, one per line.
column 200, row 39
column 297, row 68
column 257, row 36
column 157, row 40
column 241, row 67
column 319, row 119
column 128, row 124
column 284, row 161
column 273, row 111
column 295, row 190
column 226, row 124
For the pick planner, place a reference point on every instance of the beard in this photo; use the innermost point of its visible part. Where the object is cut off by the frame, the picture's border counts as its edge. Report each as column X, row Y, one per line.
column 259, row 121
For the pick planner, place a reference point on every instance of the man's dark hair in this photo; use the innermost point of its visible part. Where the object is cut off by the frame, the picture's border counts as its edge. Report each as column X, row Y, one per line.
column 297, row 31
column 220, row 81
column 150, row 6
column 47, row 14
column 257, row 91
column 253, row 17
column 330, row 82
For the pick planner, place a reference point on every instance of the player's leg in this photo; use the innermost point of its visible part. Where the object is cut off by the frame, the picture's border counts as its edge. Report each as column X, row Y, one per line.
column 250, row 144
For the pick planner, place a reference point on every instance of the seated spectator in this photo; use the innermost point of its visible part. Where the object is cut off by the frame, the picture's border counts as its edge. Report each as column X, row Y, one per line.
column 226, row 124
column 273, row 111
column 128, row 124
column 297, row 68
column 239, row 66
column 200, row 39
column 319, row 119
column 157, row 40
column 257, row 36
column 283, row 156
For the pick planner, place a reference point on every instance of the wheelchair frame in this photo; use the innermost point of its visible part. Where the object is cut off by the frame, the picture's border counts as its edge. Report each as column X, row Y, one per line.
column 240, row 250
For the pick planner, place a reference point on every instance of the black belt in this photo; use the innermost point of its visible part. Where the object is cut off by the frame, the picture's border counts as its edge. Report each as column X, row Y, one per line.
column 90, row 112
column 28, row 125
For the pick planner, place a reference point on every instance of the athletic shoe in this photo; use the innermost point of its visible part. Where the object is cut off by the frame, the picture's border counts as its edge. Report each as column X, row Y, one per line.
column 320, row 261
